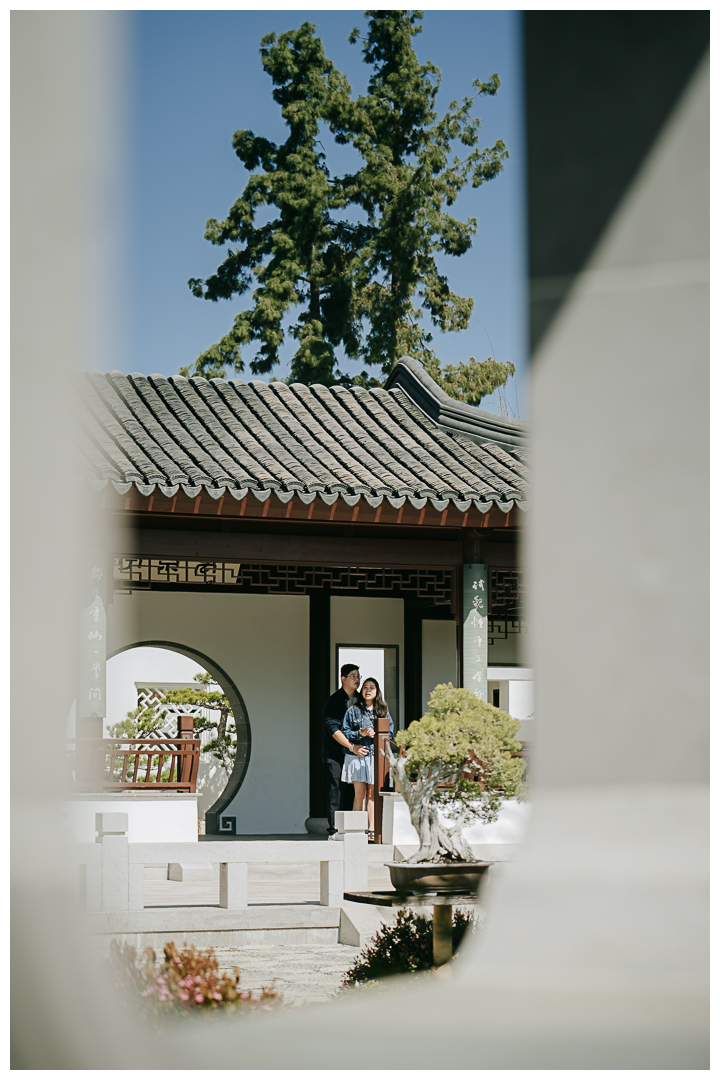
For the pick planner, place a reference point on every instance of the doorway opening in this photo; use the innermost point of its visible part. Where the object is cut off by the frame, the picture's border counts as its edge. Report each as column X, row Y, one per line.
column 379, row 662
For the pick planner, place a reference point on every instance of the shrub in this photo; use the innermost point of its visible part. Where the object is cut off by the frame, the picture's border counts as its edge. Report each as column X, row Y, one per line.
column 403, row 947
column 186, row 982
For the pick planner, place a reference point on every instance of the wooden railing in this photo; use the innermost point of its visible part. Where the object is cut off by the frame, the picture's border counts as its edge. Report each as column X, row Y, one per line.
column 159, row 764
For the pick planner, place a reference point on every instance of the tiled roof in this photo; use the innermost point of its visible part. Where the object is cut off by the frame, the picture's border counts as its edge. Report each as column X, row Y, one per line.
column 232, row 436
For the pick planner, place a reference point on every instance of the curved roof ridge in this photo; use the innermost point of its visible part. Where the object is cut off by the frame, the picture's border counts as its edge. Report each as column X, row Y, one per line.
column 457, row 417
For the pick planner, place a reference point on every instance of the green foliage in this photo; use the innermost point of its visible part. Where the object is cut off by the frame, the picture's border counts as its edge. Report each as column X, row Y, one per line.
column 301, row 257
column 147, row 723
column 186, row 982
column 356, row 283
column 476, row 741
column 470, row 382
column 140, row 723
column 410, row 174
column 403, row 947
column 224, row 745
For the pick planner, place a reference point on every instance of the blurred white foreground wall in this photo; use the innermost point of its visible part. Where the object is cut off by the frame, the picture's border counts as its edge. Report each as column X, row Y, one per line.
column 594, row 953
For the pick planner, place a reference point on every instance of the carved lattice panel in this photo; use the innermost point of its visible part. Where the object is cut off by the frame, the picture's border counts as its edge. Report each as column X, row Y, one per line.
column 152, row 697
column 506, row 593
column 144, row 572
column 502, row 629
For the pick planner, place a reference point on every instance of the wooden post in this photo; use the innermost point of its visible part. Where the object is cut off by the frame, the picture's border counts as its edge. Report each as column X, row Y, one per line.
column 382, row 770
column 442, row 933
column 413, row 664
column 185, row 730
column 320, row 687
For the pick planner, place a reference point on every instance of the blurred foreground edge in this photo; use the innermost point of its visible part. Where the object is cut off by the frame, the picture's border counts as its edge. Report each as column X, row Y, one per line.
column 595, row 950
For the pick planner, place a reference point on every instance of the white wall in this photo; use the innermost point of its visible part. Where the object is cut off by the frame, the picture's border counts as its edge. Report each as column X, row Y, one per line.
column 517, row 695
column 152, row 819
column 262, row 644
column 368, row 620
column 509, row 650
column 439, row 656
column 142, row 665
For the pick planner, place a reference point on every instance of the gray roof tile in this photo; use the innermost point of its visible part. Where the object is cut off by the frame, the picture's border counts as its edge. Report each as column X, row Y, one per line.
column 381, row 443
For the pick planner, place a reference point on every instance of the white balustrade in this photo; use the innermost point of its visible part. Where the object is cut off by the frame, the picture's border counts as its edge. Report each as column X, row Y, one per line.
column 112, row 870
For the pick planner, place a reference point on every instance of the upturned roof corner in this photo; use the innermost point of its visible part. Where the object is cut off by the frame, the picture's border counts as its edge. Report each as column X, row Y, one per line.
column 481, row 426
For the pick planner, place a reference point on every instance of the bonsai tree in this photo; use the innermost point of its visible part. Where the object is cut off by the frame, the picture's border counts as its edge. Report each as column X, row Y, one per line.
column 461, row 758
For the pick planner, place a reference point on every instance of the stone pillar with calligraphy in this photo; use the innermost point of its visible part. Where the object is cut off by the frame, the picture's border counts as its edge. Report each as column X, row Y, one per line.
column 92, row 656
column 475, row 628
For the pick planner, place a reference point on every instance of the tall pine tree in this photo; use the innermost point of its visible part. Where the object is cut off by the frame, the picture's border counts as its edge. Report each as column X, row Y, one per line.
column 301, row 258
column 410, row 174
column 360, row 283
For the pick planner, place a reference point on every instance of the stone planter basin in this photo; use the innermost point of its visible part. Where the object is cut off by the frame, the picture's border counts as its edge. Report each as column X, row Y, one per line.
column 418, row 878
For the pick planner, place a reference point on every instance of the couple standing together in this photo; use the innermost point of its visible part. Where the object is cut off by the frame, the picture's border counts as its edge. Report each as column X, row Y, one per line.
column 347, row 750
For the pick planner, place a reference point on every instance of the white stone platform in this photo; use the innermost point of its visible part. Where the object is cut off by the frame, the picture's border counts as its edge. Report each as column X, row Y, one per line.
column 153, row 817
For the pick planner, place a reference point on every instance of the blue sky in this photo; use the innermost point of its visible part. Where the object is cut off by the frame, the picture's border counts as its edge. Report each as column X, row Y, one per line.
column 196, row 77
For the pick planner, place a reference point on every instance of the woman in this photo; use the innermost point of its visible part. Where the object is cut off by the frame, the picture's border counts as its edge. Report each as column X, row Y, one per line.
column 358, row 728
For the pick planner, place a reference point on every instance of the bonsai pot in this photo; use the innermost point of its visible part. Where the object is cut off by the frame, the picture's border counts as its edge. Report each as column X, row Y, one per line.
column 418, row 878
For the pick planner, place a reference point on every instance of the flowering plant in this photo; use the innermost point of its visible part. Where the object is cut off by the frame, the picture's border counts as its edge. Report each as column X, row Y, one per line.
column 188, row 980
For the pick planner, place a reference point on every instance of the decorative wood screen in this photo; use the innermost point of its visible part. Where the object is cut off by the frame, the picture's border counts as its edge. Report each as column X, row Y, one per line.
column 149, row 572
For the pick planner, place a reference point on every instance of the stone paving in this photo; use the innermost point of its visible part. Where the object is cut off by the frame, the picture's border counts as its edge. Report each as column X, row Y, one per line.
column 301, row 973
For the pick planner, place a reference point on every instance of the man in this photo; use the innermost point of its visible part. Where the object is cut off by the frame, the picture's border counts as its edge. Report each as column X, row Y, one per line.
column 340, row 795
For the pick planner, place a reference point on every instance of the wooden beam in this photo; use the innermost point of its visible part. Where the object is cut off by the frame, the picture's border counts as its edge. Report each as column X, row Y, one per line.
column 289, row 548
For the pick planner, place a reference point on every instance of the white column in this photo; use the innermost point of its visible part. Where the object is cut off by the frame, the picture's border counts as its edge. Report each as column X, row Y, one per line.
column 352, row 826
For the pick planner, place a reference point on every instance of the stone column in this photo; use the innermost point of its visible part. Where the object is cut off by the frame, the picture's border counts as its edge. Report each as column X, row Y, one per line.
column 475, row 628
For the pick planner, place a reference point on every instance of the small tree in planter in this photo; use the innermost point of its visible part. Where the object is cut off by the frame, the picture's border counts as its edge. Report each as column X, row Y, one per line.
column 460, row 757
column 224, row 745
column 145, row 722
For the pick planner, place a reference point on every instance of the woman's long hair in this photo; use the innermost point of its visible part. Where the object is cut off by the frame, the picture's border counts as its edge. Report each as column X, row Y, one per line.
column 379, row 704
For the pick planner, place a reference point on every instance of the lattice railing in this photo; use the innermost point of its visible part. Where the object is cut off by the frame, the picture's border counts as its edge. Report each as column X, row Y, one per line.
column 134, row 764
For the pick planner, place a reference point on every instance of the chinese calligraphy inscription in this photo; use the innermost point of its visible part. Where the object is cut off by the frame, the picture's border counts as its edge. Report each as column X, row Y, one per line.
column 91, row 674
column 475, row 628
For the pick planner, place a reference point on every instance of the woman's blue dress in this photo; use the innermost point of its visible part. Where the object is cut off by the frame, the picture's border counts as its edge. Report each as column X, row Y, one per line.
column 354, row 767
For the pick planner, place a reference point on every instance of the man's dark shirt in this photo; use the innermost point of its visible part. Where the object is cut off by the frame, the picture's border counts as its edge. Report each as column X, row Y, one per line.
column 335, row 709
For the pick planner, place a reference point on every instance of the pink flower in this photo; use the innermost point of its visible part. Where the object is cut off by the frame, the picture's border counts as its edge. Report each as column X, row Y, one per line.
column 218, row 997
column 184, row 997
column 199, row 998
